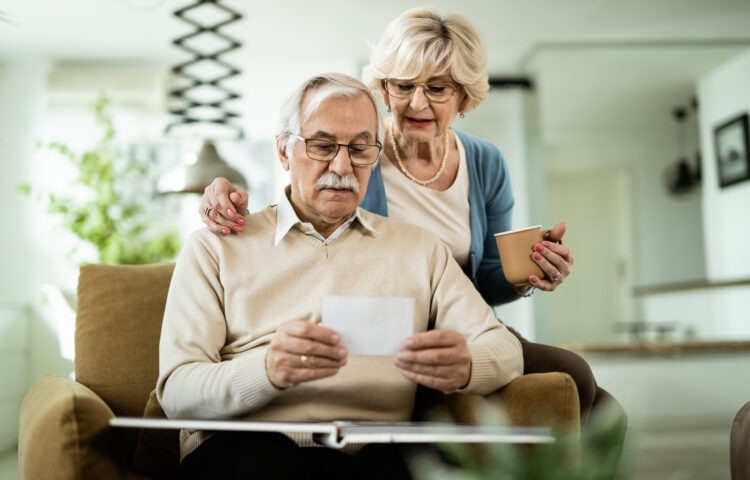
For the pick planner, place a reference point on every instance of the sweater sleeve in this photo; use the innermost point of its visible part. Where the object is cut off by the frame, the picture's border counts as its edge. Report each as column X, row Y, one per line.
column 496, row 356
column 194, row 381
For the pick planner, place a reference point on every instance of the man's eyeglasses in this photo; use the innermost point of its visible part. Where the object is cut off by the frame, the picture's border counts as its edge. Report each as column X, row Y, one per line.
column 325, row 150
column 438, row 92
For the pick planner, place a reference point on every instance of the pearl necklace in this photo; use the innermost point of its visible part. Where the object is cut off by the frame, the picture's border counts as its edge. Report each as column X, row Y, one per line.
column 406, row 172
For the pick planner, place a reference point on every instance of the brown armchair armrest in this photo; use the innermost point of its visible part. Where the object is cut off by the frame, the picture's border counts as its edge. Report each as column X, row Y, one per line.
column 739, row 446
column 64, row 433
column 536, row 399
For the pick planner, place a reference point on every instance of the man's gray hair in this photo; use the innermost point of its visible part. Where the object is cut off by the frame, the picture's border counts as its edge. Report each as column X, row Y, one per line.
column 326, row 85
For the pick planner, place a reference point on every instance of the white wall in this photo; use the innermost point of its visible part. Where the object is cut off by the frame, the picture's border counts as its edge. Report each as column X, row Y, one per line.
column 14, row 354
column 21, row 101
column 724, row 94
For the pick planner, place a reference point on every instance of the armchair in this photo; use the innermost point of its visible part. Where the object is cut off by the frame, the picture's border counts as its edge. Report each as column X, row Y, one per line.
column 739, row 444
column 63, row 424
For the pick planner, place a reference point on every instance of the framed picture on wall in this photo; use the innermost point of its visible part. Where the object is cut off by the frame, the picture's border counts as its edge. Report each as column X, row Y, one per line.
column 732, row 152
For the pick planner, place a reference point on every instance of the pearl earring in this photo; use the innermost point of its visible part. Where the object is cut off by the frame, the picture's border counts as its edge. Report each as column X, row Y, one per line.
column 461, row 115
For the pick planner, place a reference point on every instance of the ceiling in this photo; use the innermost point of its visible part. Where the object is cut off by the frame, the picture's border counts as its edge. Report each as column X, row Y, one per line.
column 327, row 32
column 616, row 89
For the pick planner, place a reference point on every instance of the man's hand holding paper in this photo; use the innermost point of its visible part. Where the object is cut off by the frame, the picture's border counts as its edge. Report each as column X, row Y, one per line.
column 437, row 359
column 303, row 351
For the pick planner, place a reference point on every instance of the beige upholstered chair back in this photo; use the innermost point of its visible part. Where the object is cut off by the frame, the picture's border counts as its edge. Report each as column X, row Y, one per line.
column 118, row 324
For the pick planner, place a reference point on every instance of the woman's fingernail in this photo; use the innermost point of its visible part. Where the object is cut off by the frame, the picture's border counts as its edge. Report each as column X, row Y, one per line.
column 538, row 247
column 533, row 279
column 225, row 231
column 537, row 256
column 241, row 221
column 230, row 212
column 546, row 244
column 237, row 228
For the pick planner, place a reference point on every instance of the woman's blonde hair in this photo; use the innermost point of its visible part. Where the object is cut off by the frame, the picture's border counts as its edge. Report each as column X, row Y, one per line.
column 420, row 42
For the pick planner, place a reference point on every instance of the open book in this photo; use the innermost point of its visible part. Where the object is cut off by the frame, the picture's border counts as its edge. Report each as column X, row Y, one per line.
column 339, row 434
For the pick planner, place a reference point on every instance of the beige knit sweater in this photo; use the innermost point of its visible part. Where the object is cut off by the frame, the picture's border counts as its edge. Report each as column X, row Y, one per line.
column 229, row 294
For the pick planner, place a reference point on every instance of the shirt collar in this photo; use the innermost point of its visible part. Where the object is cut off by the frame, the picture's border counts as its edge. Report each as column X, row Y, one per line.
column 286, row 217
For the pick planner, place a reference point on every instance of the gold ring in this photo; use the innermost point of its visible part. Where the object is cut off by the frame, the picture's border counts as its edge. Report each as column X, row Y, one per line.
column 303, row 359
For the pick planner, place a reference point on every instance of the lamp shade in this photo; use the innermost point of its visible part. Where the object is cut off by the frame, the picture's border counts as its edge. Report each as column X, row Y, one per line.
column 194, row 178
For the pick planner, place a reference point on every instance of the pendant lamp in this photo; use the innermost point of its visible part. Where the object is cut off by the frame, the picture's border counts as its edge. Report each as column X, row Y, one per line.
column 195, row 177
column 201, row 98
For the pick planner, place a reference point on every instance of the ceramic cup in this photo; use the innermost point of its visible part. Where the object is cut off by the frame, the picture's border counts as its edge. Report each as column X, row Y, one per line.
column 516, row 248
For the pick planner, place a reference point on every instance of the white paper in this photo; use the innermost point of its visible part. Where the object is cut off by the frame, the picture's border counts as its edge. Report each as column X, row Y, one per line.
column 369, row 325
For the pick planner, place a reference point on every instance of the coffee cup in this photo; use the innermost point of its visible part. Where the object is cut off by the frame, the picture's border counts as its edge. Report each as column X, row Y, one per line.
column 516, row 248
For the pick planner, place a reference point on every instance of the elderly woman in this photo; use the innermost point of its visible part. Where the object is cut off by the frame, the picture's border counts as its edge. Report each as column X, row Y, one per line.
column 430, row 68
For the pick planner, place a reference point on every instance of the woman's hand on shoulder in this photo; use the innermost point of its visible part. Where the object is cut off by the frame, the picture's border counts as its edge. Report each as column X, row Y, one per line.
column 222, row 207
column 554, row 258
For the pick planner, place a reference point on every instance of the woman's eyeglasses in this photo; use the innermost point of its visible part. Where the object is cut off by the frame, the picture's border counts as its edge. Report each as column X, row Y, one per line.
column 439, row 92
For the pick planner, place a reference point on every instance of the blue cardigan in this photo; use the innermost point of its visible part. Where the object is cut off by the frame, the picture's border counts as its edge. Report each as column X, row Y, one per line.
column 491, row 203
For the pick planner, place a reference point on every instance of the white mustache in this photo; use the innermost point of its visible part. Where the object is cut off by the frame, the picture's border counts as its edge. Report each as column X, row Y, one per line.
column 332, row 180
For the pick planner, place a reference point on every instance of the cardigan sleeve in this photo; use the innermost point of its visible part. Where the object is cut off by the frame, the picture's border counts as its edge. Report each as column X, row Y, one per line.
column 375, row 200
column 496, row 355
column 194, row 381
column 494, row 204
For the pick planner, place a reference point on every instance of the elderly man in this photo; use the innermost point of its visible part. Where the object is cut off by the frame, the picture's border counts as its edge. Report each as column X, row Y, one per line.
column 241, row 334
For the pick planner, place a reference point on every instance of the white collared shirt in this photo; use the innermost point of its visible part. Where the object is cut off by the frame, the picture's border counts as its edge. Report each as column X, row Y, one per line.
column 286, row 219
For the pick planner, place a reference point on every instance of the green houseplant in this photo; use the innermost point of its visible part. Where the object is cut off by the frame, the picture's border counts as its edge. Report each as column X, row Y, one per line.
column 595, row 454
column 101, row 214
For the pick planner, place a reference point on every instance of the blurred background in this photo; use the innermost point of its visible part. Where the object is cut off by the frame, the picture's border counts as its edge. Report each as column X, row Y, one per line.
column 622, row 119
